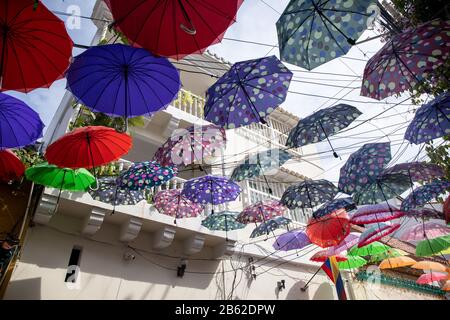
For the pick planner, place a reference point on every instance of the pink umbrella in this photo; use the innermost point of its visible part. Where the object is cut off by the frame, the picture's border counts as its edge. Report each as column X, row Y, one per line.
column 423, row 231
column 346, row 244
column 376, row 213
column 173, row 203
column 262, row 211
column 431, row 277
column 376, row 232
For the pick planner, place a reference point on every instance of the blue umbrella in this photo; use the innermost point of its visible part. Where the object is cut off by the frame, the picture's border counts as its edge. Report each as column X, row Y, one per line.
column 19, row 124
column 269, row 226
column 247, row 93
column 312, row 32
column 431, row 121
column 123, row 81
column 424, row 194
column 322, row 124
column 333, row 205
column 308, row 194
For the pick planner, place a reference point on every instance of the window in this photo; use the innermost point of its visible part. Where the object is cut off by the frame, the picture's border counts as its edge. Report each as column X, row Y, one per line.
column 73, row 267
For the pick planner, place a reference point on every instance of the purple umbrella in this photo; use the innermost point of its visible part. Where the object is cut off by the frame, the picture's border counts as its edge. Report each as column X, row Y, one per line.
column 292, row 240
column 424, row 213
column 19, row 124
column 248, row 92
column 422, row 195
column 345, row 245
column 417, row 171
column 123, row 81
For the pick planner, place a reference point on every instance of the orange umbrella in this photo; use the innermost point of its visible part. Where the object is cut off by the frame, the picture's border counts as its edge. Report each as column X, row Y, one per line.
column 430, row 265
column 446, row 286
column 397, row 262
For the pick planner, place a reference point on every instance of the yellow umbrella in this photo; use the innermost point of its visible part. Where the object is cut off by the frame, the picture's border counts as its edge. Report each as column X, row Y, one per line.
column 430, row 265
column 397, row 262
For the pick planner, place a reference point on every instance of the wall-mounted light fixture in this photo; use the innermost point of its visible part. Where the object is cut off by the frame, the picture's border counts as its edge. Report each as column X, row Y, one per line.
column 181, row 268
column 281, row 285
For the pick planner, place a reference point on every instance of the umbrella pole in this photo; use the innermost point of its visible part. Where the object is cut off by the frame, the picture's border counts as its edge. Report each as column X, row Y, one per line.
column 307, row 283
column 322, row 15
column 265, row 178
column 329, row 142
column 114, row 201
column 226, row 229
column 60, row 190
column 2, row 61
column 88, row 138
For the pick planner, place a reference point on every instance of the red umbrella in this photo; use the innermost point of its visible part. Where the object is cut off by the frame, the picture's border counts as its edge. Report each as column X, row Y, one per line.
column 322, row 256
column 329, row 230
column 174, row 28
column 88, row 147
column 11, row 167
column 35, row 49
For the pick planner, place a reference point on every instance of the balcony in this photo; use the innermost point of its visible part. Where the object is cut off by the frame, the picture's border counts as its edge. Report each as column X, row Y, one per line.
column 190, row 103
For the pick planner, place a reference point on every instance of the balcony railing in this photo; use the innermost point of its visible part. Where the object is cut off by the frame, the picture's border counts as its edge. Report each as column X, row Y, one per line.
column 190, row 103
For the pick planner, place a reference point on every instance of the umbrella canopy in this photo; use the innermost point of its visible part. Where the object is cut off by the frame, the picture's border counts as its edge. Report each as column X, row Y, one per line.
column 447, row 210
column 270, row 225
column 147, row 174
column 424, row 213
column 262, row 211
column 190, row 145
column 424, row 194
column 446, row 286
column 311, row 33
column 260, row 163
column 431, row 121
column 391, row 253
column 321, row 125
column 60, row 178
column 322, row 256
column 333, row 205
column 376, row 213
column 173, row 203
column 11, row 168
column 352, row 262
column 110, row 192
column 93, row 146
column 349, row 241
column 211, row 189
column 417, row 171
column 174, row 28
column 363, row 166
column 423, row 231
column 223, row 221
column 433, row 246
column 376, row 232
column 120, row 80
column 330, row 230
column 19, row 124
column 369, row 250
column 406, row 59
column 430, row 265
column 247, row 93
column 431, row 277
column 396, row 262
column 291, row 240
column 36, row 49
column 308, row 194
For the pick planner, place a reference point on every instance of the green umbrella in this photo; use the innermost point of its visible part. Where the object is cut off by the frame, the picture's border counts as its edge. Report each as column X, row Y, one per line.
column 223, row 221
column 429, row 247
column 368, row 250
column 352, row 262
column 391, row 253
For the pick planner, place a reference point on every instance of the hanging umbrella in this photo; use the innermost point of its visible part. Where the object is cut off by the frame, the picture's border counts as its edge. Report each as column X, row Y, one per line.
column 446, row 286
column 377, row 232
column 223, row 221
column 19, row 124
column 110, row 192
column 123, row 81
column 431, row 277
column 349, row 241
column 311, row 33
column 88, row 147
column 424, row 194
column 333, row 205
column 433, row 246
column 11, row 168
column 247, row 93
column 363, row 166
column 291, row 240
column 422, row 231
column 369, row 250
column 376, row 213
column 194, row 144
column 389, row 254
column 147, row 174
column 447, row 210
column 35, row 47
column 424, row 213
column 321, row 125
column 262, row 211
column 431, row 121
column 308, row 194
column 396, row 262
column 353, row 262
column 173, row 203
column 417, row 171
column 174, row 28
column 269, row 226
column 330, row 230
column 430, row 265
column 406, row 60
column 322, row 256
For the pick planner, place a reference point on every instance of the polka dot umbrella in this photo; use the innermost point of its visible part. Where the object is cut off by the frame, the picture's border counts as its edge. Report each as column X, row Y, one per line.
column 173, row 203
column 247, row 93
column 424, row 194
column 144, row 175
column 417, row 171
column 407, row 59
column 262, row 211
column 223, row 221
column 269, row 226
column 333, row 205
column 308, row 194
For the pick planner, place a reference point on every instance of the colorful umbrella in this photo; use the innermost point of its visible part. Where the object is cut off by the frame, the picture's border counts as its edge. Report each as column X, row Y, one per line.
column 417, row 171
column 19, row 124
column 376, row 232
column 391, row 253
column 406, row 60
column 322, row 124
column 110, row 192
column 223, row 221
column 35, row 47
column 311, row 33
column 247, row 93
column 322, row 256
column 123, row 81
column 431, row 121
column 349, row 241
column 424, row 213
column 330, row 230
column 262, row 211
column 11, row 168
column 333, row 205
column 194, row 144
column 430, row 265
column 424, row 194
column 363, row 166
column 353, row 262
column 269, row 226
column 433, row 246
column 211, row 189
column 431, row 277
column 396, row 262
column 93, row 146
column 376, row 213
column 147, row 174
column 428, row 230
column 291, row 240
column 369, row 250
column 308, row 194
column 173, row 203
column 174, row 28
